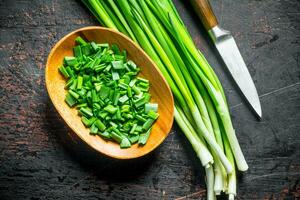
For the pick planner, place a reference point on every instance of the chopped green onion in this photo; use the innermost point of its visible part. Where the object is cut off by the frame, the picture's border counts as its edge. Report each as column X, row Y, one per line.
column 151, row 106
column 132, row 65
column 109, row 96
column 86, row 49
column 86, row 111
column 116, row 97
column 144, row 137
column 143, row 80
column 111, row 109
column 69, row 83
column 105, row 135
column 70, row 71
column 104, row 92
column 77, row 52
column 123, row 86
column 129, row 92
column 74, row 94
column 71, row 101
column 95, row 46
column 134, row 138
column 148, row 124
column 140, row 118
column 116, row 137
column 99, row 125
column 70, row 60
column 115, row 75
column 132, row 82
column 117, row 64
column 125, row 143
column 93, row 129
column 80, row 41
column 79, row 82
column 153, row 115
column 133, row 128
column 85, row 121
column 123, row 99
column 64, row 72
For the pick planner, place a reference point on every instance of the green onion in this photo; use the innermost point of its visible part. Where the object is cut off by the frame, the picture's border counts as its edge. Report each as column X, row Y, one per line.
column 121, row 18
column 134, row 138
column 77, row 51
column 117, row 64
column 148, row 124
column 86, row 111
column 111, row 109
column 105, row 135
column 125, row 143
column 116, row 137
column 64, row 72
column 104, row 92
column 108, row 96
column 71, row 101
column 100, row 125
column 151, row 106
column 70, row 61
column 140, row 118
column 153, row 115
column 93, row 129
column 79, row 82
column 80, row 41
column 144, row 137
column 115, row 75
column 85, row 121
column 69, row 71
column 203, row 114
column 123, row 99
column 74, row 94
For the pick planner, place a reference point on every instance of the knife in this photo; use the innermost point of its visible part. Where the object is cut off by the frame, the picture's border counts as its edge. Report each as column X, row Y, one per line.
column 229, row 52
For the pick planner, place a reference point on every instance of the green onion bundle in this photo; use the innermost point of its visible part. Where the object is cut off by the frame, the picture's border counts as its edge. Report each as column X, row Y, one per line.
column 200, row 105
column 111, row 100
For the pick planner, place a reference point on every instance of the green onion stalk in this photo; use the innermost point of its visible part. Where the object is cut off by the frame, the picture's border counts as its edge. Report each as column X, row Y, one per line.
column 201, row 109
column 203, row 70
column 200, row 149
column 210, row 176
column 196, row 113
column 173, row 54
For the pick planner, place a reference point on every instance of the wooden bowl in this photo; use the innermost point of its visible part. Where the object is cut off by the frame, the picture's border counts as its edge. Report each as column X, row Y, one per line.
column 159, row 90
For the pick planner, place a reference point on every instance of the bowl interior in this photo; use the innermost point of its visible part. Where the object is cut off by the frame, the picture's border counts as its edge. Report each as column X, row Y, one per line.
column 159, row 91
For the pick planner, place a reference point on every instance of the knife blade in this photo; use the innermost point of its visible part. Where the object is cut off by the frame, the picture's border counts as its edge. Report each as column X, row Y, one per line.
column 229, row 53
column 234, row 61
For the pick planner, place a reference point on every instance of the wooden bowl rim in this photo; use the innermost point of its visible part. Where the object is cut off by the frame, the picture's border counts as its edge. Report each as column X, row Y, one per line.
column 162, row 138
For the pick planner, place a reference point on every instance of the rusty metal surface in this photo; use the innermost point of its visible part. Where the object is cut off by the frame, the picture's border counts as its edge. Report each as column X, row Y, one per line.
column 41, row 159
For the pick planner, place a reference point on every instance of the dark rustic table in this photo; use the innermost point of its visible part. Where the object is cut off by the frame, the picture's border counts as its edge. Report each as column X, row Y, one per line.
column 41, row 159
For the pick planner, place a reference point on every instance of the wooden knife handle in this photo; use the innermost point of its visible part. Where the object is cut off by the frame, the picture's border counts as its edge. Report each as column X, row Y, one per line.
column 205, row 12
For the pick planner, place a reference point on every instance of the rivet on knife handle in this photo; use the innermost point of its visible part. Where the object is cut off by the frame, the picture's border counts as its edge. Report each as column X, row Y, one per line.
column 204, row 11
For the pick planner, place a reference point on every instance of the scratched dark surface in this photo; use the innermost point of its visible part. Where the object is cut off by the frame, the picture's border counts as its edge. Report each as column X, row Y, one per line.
column 40, row 159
